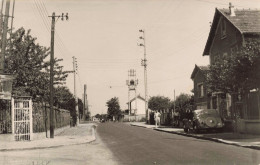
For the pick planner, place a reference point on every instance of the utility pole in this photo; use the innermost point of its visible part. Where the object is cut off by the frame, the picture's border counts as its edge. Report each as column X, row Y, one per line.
column 144, row 64
column 1, row 18
column 173, row 104
column 12, row 17
column 84, row 103
column 129, row 104
column 51, row 69
column 4, row 36
column 75, row 69
column 174, row 100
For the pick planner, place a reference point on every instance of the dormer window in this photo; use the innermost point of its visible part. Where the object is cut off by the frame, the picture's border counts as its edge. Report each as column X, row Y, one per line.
column 223, row 29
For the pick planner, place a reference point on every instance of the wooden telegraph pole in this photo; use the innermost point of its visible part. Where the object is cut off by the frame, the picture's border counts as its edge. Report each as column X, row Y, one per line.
column 4, row 36
column 51, row 69
column 84, row 106
column 75, row 69
column 51, row 76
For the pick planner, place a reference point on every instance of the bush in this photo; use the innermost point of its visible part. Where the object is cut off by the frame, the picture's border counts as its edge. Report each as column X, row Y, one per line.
column 143, row 119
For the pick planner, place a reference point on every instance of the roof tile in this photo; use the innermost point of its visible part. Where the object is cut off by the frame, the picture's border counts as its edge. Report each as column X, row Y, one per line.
column 246, row 20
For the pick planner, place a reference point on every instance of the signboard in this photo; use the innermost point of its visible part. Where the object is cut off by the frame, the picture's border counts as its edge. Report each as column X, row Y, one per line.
column 6, row 86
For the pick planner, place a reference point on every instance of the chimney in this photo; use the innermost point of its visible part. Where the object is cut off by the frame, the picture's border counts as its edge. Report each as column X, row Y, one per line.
column 231, row 10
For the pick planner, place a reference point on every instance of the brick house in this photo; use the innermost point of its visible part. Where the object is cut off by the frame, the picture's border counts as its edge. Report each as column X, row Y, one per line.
column 201, row 98
column 229, row 31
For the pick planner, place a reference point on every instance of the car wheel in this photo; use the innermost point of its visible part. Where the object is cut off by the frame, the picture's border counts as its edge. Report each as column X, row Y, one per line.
column 195, row 128
column 185, row 129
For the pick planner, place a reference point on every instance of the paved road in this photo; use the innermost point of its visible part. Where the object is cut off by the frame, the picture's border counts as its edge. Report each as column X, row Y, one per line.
column 141, row 146
column 94, row 153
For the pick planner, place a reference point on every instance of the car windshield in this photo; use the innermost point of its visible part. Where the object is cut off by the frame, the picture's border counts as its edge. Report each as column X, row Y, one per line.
column 203, row 113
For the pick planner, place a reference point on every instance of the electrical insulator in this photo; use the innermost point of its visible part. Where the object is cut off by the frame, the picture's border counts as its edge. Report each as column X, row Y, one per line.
column 67, row 16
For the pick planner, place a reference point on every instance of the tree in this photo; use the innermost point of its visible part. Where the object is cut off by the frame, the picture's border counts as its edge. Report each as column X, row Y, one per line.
column 183, row 103
column 26, row 60
column 98, row 116
column 158, row 103
column 64, row 99
column 113, row 108
column 237, row 73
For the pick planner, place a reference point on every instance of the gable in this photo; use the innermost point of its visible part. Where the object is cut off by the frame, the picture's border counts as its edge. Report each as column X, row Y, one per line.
column 199, row 70
column 139, row 98
column 244, row 22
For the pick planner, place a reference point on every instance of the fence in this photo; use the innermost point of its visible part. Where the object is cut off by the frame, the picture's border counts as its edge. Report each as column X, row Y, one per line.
column 41, row 122
column 5, row 116
column 41, row 117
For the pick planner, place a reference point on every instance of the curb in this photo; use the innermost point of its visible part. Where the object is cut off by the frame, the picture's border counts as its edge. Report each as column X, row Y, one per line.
column 142, row 126
column 210, row 139
column 55, row 146
column 36, row 148
column 204, row 138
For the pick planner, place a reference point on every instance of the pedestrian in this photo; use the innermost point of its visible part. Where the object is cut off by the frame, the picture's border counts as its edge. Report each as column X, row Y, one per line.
column 157, row 116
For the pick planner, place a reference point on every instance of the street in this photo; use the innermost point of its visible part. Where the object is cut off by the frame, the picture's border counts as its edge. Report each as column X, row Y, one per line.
column 90, row 153
column 136, row 145
column 120, row 143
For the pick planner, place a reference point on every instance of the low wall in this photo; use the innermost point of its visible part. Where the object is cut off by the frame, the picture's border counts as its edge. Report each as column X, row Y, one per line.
column 248, row 126
column 137, row 118
column 36, row 136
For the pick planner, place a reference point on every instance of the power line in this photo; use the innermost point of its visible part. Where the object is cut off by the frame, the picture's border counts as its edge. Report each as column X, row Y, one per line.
column 217, row 3
column 44, row 15
column 57, row 33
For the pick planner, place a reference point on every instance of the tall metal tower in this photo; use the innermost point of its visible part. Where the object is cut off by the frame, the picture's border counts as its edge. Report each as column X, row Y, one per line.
column 132, row 83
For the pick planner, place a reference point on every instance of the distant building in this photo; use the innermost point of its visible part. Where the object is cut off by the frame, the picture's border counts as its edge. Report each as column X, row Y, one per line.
column 95, row 119
column 201, row 98
column 137, row 109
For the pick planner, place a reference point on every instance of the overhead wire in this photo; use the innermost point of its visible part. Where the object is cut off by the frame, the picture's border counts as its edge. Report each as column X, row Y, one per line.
column 44, row 16
column 218, row 3
column 45, row 20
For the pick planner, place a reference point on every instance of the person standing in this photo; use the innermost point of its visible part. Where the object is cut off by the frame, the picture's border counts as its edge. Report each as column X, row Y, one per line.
column 157, row 116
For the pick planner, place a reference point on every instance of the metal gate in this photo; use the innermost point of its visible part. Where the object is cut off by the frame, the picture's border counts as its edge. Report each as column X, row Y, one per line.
column 22, row 127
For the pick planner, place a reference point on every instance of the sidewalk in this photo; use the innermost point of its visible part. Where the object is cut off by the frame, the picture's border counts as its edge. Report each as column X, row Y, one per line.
column 84, row 133
column 242, row 140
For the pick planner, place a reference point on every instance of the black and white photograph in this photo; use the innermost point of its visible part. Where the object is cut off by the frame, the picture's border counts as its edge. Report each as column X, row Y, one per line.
column 129, row 82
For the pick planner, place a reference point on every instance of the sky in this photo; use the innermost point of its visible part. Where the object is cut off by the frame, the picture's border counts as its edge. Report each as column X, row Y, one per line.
column 103, row 36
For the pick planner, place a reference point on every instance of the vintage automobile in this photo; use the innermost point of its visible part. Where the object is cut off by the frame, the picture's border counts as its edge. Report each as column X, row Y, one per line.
column 203, row 119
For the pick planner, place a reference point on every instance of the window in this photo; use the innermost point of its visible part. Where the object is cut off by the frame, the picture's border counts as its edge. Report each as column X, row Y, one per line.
column 200, row 90
column 223, row 29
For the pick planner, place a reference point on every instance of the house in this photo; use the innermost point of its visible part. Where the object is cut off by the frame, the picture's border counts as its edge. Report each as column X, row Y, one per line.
column 229, row 31
column 137, row 105
column 201, row 98
column 137, row 109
